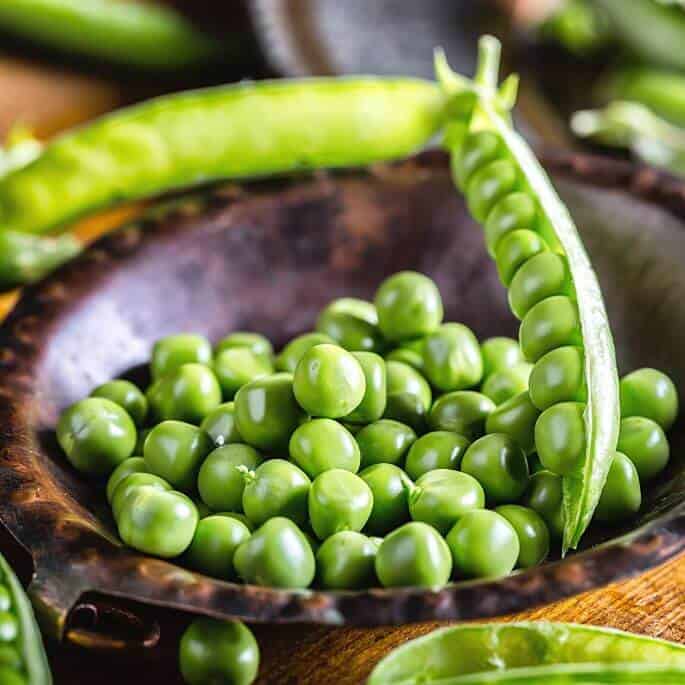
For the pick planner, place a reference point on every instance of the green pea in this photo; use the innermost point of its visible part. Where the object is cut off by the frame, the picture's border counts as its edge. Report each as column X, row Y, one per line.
column 452, row 358
column 96, row 435
column 291, row 354
column 409, row 306
column 126, row 468
column 545, row 496
column 483, row 545
column 540, row 277
column 406, row 408
column 5, row 599
column 649, row 393
column 402, row 378
column 174, row 451
column 414, row 555
column 221, row 479
column 501, row 386
column 384, row 441
column 238, row 517
column 499, row 354
column 276, row 555
column 218, row 652
column 157, row 522
column 277, row 488
column 406, row 356
column 435, row 450
column 515, row 418
column 188, row 393
column 9, row 627
column 488, row 185
column 478, row 149
column 389, row 486
column 549, row 324
column 126, row 395
column 339, row 500
column 171, row 352
column 221, row 426
column 514, row 212
column 558, row 376
column 372, row 406
column 131, row 483
column 560, row 437
column 643, row 441
column 345, row 561
column 267, row 413
column 621, row 497
column 256, row 343
column 10, row 659
column 531, row 531
column 214, row 544
column 236, row 366
column 461, row 411
column 353, row 324
column 441, row 497
column 329, row 382
column 322, row 444
column 499, row 465
column 514, row 249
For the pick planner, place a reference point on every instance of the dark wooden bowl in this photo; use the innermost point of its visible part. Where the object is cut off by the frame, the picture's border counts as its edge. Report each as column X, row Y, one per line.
column 266, row 256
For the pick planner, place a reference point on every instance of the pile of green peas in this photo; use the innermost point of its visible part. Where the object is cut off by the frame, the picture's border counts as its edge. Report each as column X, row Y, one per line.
column 383, row 448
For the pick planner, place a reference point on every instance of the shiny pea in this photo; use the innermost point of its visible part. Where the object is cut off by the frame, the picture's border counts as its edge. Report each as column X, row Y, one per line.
column 384, row 441
column 291, row 354
column 323, row 444
column 255, row 342
column 238, row 517
column 389, row 485
column 221, row 426
column 169, row 353
column 461, row 411
column 516, row 418
column 532, row 533
column 514, row 249
column 643, row 441
column 478, row 149
column 545, row 496
column 621, row 497
column 560, row 437
column 550, row 324
column 126, row 468
column 5, row 599
column 236, row 366
column 406, row 408
column 214, row 544
column 352, row 324
column 435, row 450
column 402, row 378
column 649, row 393
column 126, row 395
column 346, row 561
column 502, row 385
column 558, row 376
column 542, row 276
column 9, row 627
column 131, row 483
column 406, row 356
column 500, row 353
column 514, row 212
column 499, row 465
column 372, row 406
column 452, row 358
column 488, row 185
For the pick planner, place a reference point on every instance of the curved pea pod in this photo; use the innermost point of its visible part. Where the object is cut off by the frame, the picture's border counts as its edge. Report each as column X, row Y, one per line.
column 497, row 652
column 552, row 286
column 237, row 131
column 28, row 643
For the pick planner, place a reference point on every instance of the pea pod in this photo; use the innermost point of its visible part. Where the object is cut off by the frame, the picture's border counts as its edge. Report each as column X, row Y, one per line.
column 541, row 652
column 32, row 664
column 130, row 34
column 237, row 131
column 569, row 309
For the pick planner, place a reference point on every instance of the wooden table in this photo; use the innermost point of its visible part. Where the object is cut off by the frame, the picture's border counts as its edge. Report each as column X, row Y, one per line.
column 651, row 604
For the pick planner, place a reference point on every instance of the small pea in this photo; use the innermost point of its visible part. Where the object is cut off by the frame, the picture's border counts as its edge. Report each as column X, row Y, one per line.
column 461, row 411
column 9, row 627
column 126, row 468
column 236, row 366
column 402, row 378
column 373, row 403
column 532, row 533
column 389, row 486
column 549, row 324
column 545, row 496
column 131, row 483
column 649, row 393
column 499, row 465
column 558, row 376
column 384, row 441
column 501, row 386
column 221, row 426
column 238, row 517
column 514, row 212
column 406, row 408
column 221, row 479
column 542, row 276
column 346, row 561
column 499, row 354
column 408, row 305
column 643, row 441
column 621, row 497
column 352, row 324
column 323, row 444
column 514, row 249
column 483, row 545
column 291, row 354
column 169, row 353
column 255, row 342
column 452, row 358
column 488, row 185
column 5, row 599
column 406, row 356
column 517, row 418
column 126, row 395
column 478, row 149
column 435, row 450
column 560, row 437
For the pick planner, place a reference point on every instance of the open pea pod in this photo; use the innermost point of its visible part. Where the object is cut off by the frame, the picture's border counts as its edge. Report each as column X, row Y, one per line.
column 530, row 653
column 552, row 286
column 22, row 657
